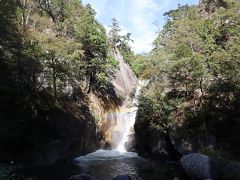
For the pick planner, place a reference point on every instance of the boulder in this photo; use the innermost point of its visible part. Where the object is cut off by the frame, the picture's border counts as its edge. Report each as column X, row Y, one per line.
column 122, row 177
column 197, row 165
column 81, row 177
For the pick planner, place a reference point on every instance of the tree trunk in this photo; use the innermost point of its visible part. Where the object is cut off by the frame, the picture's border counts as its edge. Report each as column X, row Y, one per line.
column 91, row 80
column 54, row 78
column 175, row 155
column 89, row 86
column 202, row 92
column 54, row 85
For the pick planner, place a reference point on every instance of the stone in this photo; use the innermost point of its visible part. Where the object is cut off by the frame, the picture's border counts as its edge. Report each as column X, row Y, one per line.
column 81, row 177
column 122, row 177
column 197, row 165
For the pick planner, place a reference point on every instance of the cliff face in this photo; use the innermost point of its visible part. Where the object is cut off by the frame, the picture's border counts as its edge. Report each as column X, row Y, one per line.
column 55, row 133
column 75, row 133
column 125, row 80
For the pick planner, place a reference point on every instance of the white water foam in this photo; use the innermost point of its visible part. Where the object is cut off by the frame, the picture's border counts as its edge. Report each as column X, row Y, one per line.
column 129, row 118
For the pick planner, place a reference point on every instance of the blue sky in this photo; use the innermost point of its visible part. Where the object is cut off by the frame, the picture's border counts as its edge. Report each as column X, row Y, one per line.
column 136, row 17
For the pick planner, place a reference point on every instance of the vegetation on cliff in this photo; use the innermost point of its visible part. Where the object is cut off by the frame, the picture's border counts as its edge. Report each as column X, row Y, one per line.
column 122, row 42
column 52, row 53
column 195, row 78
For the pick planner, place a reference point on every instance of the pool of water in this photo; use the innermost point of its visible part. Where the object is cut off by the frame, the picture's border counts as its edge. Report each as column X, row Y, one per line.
column 107, row 164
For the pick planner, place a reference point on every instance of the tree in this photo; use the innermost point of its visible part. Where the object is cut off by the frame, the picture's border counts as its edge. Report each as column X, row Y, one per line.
column 113, row 34
column 97, row 66
column 194, row 69
column 49, row 51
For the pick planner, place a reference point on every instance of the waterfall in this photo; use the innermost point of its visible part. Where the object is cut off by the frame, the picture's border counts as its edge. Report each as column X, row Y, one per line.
column 128, row 119
column 117, row 124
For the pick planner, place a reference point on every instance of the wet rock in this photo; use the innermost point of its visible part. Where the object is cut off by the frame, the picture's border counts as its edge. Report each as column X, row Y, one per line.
column 122, row 177
column 81, row 177
column 131, row 144
column 197, row 165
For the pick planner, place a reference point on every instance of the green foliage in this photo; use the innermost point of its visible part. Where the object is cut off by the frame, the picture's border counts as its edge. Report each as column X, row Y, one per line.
column 194, row 70
column 121, row 42
column 50, row 51
column 114, row 35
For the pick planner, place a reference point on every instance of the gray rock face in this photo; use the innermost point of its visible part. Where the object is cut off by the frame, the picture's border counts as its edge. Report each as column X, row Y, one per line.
column 197, row 165
column 125, row 80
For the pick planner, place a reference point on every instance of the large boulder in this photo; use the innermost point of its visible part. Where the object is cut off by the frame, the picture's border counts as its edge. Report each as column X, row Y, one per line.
column 122, row 177
column 197, row 166
column 81, row 177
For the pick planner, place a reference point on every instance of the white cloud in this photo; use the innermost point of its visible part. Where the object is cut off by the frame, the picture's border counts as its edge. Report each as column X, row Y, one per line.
column 97, row 5
column 142, row 15
column 124, row 30
column 134, row 16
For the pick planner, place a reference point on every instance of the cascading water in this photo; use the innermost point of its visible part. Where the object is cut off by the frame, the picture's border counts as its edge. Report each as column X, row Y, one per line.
column 128, row 118
column 117, row 121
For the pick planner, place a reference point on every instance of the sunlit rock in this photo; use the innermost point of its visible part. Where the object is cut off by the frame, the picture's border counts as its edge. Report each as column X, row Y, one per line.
column 125, row 80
